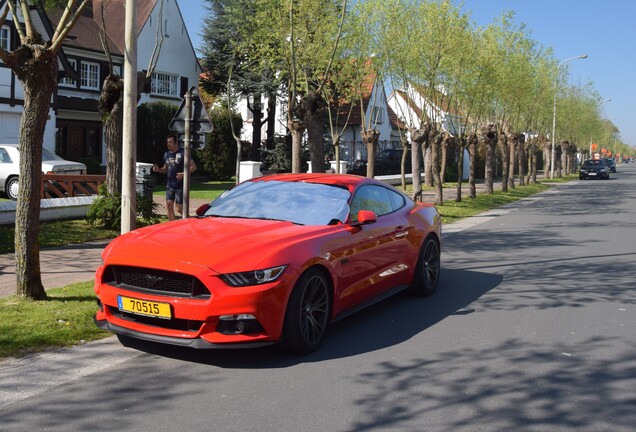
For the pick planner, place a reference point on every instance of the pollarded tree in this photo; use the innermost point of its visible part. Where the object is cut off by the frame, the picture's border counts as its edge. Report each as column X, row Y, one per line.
column 300, row 39
column 35, row 64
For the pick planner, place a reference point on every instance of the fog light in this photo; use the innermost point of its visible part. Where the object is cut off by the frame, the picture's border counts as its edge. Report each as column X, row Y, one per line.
column 238, row 324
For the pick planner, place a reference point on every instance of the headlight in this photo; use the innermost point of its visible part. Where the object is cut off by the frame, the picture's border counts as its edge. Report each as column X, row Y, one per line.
column 254, row 277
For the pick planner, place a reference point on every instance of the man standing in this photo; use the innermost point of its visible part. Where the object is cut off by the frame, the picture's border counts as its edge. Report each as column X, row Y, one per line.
column 173, row 161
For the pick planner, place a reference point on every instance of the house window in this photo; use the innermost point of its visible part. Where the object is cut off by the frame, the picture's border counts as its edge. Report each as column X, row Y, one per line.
column 90, row 75
column 4, row 38
column 377, row 115
column 164, row 84
column 68, row 81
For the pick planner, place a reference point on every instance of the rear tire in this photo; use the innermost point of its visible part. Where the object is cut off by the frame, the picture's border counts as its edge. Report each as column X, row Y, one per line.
column 11, row 188
column 428, row 268
column 307, row 313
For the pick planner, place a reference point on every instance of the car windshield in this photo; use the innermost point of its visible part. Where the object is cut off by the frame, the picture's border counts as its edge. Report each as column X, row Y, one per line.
column 593, row 163
column 298, row 202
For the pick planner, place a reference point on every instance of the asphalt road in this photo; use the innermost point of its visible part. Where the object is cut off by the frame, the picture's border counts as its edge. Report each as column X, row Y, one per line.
column 533, row 329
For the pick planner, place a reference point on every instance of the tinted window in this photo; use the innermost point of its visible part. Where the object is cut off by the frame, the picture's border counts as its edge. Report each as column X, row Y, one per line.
column 374, row 198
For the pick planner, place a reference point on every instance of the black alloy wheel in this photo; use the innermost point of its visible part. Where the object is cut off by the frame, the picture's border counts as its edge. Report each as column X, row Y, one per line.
column 428, row 268
column 307, row 313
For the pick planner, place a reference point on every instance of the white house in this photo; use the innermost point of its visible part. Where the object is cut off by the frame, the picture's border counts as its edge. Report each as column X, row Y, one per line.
column 74, row 129
column 378, row 116
column 411, row 108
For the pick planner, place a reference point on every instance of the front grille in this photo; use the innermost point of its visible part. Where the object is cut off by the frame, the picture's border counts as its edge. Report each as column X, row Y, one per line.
column 153, row 281
column 171, row 324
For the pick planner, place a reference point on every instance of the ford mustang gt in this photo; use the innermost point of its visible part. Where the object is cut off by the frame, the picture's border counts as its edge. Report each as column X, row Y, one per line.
column 273, row 260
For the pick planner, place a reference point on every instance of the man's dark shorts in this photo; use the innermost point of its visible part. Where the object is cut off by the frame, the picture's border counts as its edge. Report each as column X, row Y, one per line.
column 174, row 194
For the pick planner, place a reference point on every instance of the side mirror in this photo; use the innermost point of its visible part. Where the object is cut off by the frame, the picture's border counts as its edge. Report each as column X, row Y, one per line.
column 202, row 209
column 366, row 217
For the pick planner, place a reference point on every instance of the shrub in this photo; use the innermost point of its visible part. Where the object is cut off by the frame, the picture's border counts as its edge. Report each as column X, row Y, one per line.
column 92, row 165
column 106, row 210
column 218, row 157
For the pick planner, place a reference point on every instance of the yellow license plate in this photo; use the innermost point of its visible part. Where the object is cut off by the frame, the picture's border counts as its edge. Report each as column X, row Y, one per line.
column 144, row 307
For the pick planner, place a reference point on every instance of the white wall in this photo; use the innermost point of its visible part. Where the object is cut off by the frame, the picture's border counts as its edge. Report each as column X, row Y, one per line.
column 177, row 55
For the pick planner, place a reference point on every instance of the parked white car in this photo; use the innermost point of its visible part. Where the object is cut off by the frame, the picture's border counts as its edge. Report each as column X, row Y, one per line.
column 10, row 167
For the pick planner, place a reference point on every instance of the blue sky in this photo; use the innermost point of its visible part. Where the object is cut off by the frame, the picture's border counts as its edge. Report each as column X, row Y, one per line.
column 604, row 30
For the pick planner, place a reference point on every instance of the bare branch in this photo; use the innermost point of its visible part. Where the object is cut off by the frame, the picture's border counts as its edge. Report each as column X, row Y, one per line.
column 28, row 23
column 154, row 57
column 59, row 36
column 102, row 39
column 335, row 46
column 18, row 26
column 63, row 19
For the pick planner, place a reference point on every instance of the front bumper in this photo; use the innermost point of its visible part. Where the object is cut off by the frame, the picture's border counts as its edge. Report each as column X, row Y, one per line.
column 196, row 343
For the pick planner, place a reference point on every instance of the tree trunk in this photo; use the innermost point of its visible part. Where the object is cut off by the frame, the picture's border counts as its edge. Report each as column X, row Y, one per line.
column 114, row 145
column 461, row 145
column 297, row 128
column 513, row 146
column 436, row 139
column 502, row 143
column 405, row 150
column 547, row 161
column 370, row 138
column 428, row 169
column 110, row 106
column 271, row 120
column 442, row 163
column 558, row 172
column 490, row 137
column 315, row 138
column 473, row 140
column 38, row 75
column 418, row 137
column 523, row 159
column 257, row 124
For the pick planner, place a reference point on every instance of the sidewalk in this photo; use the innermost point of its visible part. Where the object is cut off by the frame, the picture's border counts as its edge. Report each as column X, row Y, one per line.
column 61, row 266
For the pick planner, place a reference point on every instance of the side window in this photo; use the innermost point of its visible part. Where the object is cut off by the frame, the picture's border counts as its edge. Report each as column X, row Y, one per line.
column 397, row 200
column 374, row 198
column 4, row 156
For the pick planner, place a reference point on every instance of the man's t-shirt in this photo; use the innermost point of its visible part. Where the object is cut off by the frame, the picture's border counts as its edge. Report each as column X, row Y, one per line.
column 174, row 162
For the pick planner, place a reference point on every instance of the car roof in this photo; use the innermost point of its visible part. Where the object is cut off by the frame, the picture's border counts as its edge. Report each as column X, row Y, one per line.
column 350, row 181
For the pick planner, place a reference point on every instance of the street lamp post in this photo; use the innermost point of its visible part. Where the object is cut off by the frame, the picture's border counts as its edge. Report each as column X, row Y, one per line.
column 556, row 84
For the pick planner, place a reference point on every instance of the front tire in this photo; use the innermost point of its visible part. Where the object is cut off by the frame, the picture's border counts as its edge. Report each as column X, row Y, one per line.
column 428, row 269
column 307, row 313
column 11, row 188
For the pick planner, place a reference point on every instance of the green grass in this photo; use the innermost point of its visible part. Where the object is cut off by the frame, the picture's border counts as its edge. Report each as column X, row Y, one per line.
column 58, row 233
column 200, row 190
column 65, row 319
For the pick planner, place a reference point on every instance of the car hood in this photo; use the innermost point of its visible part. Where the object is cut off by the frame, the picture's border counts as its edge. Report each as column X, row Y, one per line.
column 221, row 244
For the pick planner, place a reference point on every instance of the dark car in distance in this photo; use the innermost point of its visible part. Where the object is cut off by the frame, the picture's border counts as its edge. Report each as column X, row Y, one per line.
column 387, row 161
column 594, row 168
column 611, row 164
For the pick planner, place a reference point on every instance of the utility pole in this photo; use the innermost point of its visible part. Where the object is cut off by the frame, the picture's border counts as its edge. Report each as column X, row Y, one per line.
column 129, row 151
column 187, row 142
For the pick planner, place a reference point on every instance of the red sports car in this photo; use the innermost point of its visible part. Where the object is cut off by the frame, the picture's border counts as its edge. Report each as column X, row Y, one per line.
column 273, row 260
